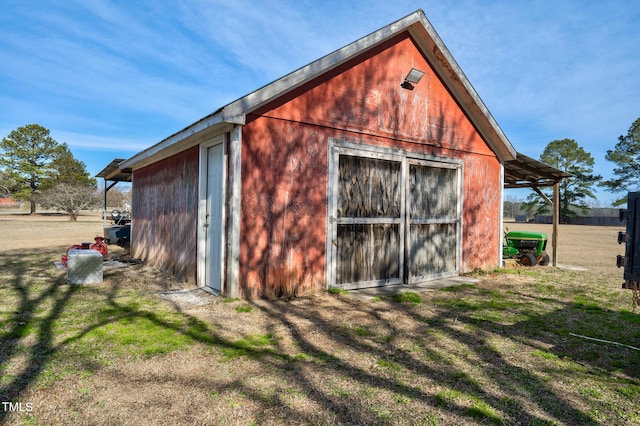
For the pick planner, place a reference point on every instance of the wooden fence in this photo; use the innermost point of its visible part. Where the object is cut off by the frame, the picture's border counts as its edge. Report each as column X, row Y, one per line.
column 580, row 220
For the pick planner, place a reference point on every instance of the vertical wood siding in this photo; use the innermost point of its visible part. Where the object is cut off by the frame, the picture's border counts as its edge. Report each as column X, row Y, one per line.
column 283, row 185
column 434, row 192
column 164, row 210
column 433, row 249
column 481, row 214
column 283, row 210
column 368, row 211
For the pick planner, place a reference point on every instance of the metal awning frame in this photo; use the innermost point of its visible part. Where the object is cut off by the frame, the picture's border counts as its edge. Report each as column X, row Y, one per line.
column 527, row 172
column 112, row 175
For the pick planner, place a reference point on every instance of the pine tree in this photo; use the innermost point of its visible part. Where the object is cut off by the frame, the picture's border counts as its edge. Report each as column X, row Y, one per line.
column 27, row 154
column 568, row 156
column 626, row 156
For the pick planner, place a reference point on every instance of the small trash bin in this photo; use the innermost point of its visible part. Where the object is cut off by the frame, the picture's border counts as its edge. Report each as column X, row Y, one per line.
column 84, row 267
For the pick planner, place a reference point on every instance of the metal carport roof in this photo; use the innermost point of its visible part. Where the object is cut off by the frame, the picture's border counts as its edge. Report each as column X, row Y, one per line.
column 526, row 172
column 113, row 172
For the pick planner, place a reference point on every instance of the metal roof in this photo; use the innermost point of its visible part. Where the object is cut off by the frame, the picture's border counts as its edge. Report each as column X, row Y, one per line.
column 114, row 173
column 526, row 172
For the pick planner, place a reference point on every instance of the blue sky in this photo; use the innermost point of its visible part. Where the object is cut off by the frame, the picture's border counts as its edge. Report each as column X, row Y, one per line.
column 111, row 78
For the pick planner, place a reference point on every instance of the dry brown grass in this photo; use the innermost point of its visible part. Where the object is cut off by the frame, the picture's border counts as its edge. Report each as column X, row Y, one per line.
column 45, row 230
column 495, row 352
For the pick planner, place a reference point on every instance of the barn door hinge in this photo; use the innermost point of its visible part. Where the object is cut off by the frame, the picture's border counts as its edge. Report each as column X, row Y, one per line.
column 622, row 238
column 622, row 215
column 621, row 261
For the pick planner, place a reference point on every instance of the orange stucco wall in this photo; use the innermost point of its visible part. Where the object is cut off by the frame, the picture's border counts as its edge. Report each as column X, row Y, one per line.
column 284, row 164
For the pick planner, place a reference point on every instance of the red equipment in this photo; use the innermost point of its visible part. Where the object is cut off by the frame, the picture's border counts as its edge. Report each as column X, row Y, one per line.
column 98, row 246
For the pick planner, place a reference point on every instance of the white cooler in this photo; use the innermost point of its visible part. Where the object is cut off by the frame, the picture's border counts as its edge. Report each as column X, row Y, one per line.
column 84, row 267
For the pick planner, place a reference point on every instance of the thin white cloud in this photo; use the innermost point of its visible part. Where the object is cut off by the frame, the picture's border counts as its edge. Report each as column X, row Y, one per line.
column 102, row 143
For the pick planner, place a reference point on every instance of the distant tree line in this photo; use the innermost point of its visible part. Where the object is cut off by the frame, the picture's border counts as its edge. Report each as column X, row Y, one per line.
column 519, row 208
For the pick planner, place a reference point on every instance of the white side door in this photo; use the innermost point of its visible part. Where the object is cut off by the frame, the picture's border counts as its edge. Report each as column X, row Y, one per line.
column 213, row 222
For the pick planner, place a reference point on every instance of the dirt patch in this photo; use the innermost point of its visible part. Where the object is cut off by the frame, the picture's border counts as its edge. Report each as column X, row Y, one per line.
column 188, row 299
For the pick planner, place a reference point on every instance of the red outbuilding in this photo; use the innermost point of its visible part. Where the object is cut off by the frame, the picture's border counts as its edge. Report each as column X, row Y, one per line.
column 375, row 165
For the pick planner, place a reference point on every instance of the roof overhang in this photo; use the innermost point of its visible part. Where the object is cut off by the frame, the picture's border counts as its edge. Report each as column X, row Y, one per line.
column 526, row 172
column 446, row 67
column 114, row 172
column 427, row 40
column 193, row 135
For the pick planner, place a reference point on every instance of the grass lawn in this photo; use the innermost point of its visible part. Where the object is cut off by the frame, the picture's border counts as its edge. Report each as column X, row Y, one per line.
column 514, row 348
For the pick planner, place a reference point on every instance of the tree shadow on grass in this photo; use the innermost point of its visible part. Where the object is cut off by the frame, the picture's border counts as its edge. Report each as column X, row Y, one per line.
column 570, row 332
column 45, row 324
column 355, row 362
column 24, row 304
column 456, row 388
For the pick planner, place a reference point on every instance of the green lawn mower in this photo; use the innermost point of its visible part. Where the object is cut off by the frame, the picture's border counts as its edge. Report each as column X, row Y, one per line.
column 527, row 247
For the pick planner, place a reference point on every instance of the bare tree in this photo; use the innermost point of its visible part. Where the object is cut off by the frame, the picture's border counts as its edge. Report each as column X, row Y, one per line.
column 70, row 198
column 117, row 197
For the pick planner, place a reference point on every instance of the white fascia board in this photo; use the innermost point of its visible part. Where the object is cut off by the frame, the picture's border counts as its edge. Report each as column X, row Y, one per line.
column 457, row 82
column 321, row 66
column 174, row 143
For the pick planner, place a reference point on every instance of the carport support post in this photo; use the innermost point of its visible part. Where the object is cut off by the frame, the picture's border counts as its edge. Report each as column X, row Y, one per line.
column 104, row 210
column 556, row 219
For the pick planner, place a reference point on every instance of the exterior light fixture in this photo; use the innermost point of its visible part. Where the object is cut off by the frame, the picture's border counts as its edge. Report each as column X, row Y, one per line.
column 412, row 78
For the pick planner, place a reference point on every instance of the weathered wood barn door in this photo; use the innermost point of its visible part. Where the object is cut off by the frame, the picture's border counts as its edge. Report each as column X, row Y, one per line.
column 392, row 219
column 433, row 217
column 368, row 224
